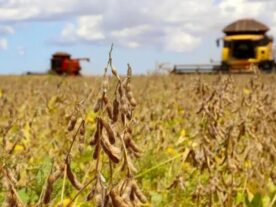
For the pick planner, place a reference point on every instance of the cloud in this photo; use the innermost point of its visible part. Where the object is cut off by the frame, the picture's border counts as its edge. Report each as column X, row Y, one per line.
column 180, row 41
column 86, row 29
column 175, row 25
column 3, row 44
column 17, row 14
column 147, row 24
column 51, row 10
column 5, row 30
column 240, row 8
column 131, row 31
column 21, row 51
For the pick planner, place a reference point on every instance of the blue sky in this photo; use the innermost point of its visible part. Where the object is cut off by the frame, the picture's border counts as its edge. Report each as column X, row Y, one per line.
column 144, row 32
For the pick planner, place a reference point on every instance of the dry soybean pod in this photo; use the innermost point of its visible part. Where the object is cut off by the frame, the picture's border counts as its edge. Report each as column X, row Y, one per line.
column 109, row 130
column 72, row 178
column 117, row 200
column 112, row 151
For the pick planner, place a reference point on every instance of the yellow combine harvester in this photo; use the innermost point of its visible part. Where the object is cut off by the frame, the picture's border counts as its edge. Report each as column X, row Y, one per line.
column 245, row 44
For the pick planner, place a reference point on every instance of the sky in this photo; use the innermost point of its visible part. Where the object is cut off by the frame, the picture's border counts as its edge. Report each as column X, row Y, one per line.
column 144, row 32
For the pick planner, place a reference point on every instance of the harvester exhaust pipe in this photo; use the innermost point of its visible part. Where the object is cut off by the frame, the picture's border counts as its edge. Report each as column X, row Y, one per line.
column 83, row 59
column 218, row 41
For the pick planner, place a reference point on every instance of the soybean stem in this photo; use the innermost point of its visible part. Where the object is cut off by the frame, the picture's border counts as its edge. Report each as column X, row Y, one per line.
column 185, row 154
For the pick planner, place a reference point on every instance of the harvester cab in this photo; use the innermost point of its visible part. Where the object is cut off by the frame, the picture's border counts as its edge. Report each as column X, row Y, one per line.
column 246, row 43
column 62, row 63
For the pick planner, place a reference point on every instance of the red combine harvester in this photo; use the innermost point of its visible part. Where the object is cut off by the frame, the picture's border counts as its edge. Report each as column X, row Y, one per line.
column 61, row 63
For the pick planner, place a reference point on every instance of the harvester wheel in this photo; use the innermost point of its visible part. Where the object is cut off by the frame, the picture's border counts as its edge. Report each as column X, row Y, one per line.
column 224, row 67
column 267, row 66
column 76, row 73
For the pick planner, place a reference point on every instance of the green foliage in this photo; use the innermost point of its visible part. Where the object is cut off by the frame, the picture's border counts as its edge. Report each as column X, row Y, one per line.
column 256, row 201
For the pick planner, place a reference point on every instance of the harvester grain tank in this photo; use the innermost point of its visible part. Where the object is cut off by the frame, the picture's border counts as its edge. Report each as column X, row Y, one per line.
column 246, row 43
column 62, row 63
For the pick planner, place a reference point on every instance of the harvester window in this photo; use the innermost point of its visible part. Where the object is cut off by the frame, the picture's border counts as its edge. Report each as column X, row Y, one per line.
column 244, row 49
